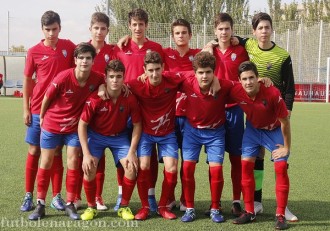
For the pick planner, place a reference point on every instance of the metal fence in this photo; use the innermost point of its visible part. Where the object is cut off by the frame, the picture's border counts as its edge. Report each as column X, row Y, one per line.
column 308, row 45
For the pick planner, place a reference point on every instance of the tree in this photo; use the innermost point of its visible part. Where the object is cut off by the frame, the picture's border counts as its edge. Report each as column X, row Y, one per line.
column 20, row 48
column 165, row 11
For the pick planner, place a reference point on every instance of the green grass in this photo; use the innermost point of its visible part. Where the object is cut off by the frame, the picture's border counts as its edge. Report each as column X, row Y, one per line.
column 309, row 171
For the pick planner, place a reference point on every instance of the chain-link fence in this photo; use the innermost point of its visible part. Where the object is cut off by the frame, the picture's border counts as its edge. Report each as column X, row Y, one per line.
column 308, row 45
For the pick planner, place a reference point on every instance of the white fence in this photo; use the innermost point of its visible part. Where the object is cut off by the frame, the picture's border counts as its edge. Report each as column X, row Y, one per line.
column 308, row 45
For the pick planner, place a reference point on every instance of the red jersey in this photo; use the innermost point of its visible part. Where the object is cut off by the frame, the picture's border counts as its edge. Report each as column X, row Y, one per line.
column 1, row 80
column 175, row 63
column 67, row 101
column 46, row 63
column 102, row 58
column 157, row 103
column 262, row 112
column 205, row 111
column 133, row 57
column 227, row 63
column 107, row 118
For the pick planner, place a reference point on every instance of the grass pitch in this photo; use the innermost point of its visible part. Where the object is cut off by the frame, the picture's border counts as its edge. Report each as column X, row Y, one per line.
column 309, row 171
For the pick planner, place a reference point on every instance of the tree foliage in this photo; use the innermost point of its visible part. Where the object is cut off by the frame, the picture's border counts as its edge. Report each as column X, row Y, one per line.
column 165, row 11
column 20, row 48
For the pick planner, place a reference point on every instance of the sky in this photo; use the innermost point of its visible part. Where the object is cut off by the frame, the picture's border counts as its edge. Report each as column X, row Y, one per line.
column 25, row 27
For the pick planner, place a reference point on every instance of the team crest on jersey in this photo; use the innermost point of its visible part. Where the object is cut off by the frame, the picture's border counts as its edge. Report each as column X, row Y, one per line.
column 171, row 56
column 264, row 102
column 106, row 58
column 191, row 58
column 91, row 88
column 269, row 66
column 167, row 90
column 121, row 108
column 65, row 53
column 233, row 56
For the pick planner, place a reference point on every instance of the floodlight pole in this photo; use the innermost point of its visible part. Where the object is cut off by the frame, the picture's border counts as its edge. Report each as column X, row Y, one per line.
column 8, row 34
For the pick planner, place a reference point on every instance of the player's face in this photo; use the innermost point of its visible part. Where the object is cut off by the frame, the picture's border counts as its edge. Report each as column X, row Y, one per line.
column 204, row 77
column 99, row 31
column 84, row 62
column 181, row 36
column 223, row 32
column 249, row 82
column 51, row 32
column 154, row 73
column 115, row 80
column 263, row 31
column 138, row 28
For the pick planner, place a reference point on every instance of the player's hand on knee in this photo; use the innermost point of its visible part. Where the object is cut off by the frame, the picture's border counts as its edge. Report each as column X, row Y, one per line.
column 281, row 152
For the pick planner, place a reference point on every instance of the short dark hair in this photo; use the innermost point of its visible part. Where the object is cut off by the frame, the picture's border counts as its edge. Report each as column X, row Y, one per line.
column 100, row 17
column 247, row 66
column 223, row 17
column 181, row 22
column 115, row 65
column 152, row 57
column 204, row 59
column 50, row 17
column 261, row 17
column 84, row 48
column 138, row 14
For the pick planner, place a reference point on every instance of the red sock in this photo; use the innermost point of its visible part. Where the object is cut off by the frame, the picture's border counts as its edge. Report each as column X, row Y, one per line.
column 31, row 169
column 153, row 168
column 181, row 175
column 236, row 175
column 100, row 176
column 120, row 175
column 128, row 187
column 90, row 190
column 71, row 184
column 43, row 183
column 282, row 186
column 169, row 183
column 57, row 174
column 216, row 185
column 143, row 178
column 248, row 185
column 188, row 181
column 80, row 178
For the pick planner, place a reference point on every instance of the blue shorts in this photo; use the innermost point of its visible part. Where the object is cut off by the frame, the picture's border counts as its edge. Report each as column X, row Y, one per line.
column 179, row 128
column 118, row 144
column 254, row 139
column 166, row 145
column 51, row 140
column 212, row 139
column 234, row 130
column 33, row 131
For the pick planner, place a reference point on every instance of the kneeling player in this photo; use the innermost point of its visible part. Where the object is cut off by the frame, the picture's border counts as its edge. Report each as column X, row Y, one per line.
column 103, row 125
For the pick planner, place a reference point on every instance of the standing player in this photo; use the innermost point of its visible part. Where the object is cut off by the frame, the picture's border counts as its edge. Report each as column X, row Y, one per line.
column 204, row 126
column 176, row 60
column 268, row 125
column 228, row 58
column 46, row 59
column 132, row 57
column 99, row 29
column 59, row 117
column 157, row 101
column 275, row 63
column 104, row 123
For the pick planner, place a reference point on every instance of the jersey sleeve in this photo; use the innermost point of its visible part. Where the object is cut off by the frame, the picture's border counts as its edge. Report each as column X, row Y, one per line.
column 89, row 109
column 135, row 110
column 30, row 67
column 288, row 83
column 54, row 87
